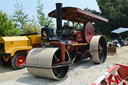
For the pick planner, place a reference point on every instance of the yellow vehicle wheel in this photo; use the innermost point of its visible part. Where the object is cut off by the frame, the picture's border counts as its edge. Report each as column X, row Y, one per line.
column 18, row 60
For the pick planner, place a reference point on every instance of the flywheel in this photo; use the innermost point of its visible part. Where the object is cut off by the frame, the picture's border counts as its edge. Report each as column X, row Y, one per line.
column 89, row 32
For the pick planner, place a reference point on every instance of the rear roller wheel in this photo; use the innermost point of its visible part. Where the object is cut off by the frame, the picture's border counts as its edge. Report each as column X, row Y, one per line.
column 98, row 48
column 18, row 60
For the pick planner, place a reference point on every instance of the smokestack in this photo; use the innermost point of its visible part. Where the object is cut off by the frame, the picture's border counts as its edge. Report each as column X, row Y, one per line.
column 59, row 17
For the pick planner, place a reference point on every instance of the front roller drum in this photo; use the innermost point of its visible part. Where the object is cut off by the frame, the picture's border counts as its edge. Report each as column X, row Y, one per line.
column 40, row 62
column 98, row 49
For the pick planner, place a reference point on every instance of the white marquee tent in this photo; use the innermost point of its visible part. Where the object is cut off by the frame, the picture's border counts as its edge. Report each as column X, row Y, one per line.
column 120, row 30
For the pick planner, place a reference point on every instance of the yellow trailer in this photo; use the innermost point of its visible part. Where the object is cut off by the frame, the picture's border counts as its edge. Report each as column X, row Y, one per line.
column 13, row 50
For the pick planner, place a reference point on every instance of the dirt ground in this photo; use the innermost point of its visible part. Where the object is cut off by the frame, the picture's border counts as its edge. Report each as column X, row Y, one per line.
column 81, row 73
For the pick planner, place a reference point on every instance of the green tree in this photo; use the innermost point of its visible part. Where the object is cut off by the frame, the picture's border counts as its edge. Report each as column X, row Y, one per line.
column 115, row 11
column 19, row 16
column 93, row 11
column 7, row 28
column 41, row 16
column 31, row 28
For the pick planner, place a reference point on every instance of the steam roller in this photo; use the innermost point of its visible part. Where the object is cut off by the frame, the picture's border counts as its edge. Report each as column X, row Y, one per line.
column 53, row 56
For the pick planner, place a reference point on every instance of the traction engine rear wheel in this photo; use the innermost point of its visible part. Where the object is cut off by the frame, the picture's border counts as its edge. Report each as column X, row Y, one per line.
column 18, row 60
column 98, row 48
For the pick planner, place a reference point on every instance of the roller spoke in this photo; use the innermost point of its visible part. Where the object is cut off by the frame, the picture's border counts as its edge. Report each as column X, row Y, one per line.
column 58, row 71
column 100, row 49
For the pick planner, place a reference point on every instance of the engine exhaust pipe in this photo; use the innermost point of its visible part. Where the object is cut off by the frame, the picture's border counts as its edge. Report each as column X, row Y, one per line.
column 59, row 17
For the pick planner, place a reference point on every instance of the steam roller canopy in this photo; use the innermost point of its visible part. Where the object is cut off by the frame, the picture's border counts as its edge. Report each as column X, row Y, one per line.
column 40, row 63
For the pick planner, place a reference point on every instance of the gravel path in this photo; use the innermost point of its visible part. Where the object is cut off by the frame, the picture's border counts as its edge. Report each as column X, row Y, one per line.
column 81, row 73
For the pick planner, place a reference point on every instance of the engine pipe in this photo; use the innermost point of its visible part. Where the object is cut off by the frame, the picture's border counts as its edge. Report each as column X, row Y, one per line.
column 59, row 17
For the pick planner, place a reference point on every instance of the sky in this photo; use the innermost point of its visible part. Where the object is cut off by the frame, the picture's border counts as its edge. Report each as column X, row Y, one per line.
column 29, row 6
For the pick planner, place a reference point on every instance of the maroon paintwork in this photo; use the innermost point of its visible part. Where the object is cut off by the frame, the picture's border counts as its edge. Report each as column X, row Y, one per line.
column 89, row 32
column 62, row 48
column 77, row 15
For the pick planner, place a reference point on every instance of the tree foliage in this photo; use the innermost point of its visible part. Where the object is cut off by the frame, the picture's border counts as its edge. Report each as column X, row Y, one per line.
column 7, row 28
column 115, row 11
column 21, row 24
column 31, row 28
column 93, row 11
column 41, row 16
column 19, row 16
